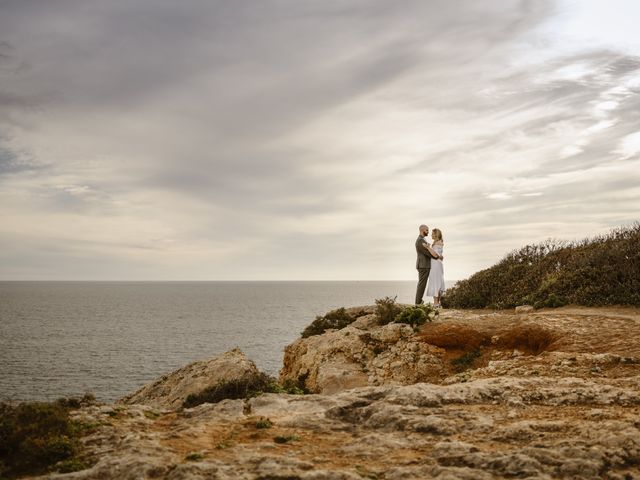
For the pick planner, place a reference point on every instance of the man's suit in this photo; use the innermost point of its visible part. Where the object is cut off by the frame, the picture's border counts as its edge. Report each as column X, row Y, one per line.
column 423, row 264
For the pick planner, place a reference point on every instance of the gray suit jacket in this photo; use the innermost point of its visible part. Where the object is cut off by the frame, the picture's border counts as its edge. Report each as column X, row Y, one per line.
column 424, row 257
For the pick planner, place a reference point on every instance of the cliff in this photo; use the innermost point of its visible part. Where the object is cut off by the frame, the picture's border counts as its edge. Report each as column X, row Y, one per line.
column 474, row 395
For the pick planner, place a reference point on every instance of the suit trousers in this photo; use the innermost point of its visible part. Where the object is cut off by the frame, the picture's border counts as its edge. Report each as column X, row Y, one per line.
column 423, row 276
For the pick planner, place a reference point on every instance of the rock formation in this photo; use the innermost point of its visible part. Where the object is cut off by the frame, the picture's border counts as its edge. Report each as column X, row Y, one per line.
column 489, row 428
column 171, row 390
column 360, row 354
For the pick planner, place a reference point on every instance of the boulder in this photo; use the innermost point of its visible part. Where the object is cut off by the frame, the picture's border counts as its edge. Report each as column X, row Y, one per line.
column 171, row 390
column 361, row 354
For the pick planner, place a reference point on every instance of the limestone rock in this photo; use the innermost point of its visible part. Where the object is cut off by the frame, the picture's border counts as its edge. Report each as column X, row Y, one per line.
column 573, row 428
column 524, row 309
column 361, row 354
column 170, row 391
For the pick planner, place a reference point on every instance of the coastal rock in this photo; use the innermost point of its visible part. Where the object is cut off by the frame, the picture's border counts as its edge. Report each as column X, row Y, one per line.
column 359, row 355
column 574, row 428
column 524, row 309
column 565, row 342
column 171, row 390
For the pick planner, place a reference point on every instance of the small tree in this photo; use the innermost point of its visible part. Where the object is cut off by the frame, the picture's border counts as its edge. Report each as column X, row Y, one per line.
column 387, row 310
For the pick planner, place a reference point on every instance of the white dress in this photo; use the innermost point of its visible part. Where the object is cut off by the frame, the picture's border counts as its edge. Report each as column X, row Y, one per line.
column 435, row 287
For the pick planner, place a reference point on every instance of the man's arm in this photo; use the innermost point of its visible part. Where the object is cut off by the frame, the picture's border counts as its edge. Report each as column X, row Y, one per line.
column 430, row 251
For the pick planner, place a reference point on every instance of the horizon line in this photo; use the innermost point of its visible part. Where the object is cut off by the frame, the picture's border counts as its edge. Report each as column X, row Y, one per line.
column 219, row 280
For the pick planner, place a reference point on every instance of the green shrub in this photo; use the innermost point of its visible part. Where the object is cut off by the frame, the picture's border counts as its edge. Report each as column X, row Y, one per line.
column 604, row 270
column 72, row 465
column 289, row 386
column 335, row 319
column 36, row 437
column 245, row 387
column 416, row 315
column 552, row 301
column 285, row 438
column 72, row 403
column 264, row 423
column 387, row 310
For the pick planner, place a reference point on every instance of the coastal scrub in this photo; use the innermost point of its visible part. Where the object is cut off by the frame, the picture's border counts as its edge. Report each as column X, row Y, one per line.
column 599, row 271
column 40, row 437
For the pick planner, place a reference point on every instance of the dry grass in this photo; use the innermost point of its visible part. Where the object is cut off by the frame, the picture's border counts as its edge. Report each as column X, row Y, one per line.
column 454, row 336
column 531, row 339
column 467, row 347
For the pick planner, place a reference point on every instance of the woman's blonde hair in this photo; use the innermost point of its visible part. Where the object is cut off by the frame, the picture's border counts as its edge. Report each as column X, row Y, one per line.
column 438, row 234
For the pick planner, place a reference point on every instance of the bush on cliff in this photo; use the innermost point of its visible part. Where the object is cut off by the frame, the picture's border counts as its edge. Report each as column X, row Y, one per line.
column 335, row 319
column 416, row 315
column 387, row 311
column 604, row 270
column 245, row 387
column 39, row 437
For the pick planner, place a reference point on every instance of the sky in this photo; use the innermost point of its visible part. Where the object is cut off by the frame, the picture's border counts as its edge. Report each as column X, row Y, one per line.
column 308, row 140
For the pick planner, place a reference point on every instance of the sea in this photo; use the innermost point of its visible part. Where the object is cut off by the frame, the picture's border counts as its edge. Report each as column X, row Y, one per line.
column 62, row 338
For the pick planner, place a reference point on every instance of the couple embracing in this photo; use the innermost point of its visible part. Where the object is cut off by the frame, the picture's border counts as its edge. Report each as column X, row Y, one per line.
column 429, row 265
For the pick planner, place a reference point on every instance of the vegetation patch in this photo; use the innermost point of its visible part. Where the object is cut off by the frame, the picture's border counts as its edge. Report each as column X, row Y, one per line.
column 531, row 339
column 224, row 445
column 285, row 438
column 416, row 315
column 335, row 319
column 151, row 414
column 288, row 386
column 264, row 423
column 604, row 270
column 40, row 437
column 453, row 336
column 551, row 301
column 388, row 311
column 245, row 387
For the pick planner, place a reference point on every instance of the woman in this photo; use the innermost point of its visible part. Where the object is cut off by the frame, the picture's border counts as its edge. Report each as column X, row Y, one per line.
column 435, row 288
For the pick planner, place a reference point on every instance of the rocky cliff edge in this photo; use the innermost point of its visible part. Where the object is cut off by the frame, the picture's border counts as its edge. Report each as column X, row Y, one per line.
column 473, row 395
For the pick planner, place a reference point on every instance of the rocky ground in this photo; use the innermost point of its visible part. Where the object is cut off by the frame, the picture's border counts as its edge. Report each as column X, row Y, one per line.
column 470, row 396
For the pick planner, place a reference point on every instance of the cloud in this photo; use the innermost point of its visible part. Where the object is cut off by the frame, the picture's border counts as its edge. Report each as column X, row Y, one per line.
column 174, row 138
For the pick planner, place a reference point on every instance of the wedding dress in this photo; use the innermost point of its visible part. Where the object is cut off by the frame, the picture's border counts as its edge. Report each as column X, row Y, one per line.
column 435, row 287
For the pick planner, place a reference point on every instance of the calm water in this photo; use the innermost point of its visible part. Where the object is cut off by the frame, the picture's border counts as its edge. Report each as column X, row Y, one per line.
column 109, row 338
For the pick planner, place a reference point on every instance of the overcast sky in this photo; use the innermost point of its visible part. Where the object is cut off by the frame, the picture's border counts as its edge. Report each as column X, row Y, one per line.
column 213, row 140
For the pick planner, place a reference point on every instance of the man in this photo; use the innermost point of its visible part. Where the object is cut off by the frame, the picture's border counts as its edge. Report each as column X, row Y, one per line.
column 423, row 263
